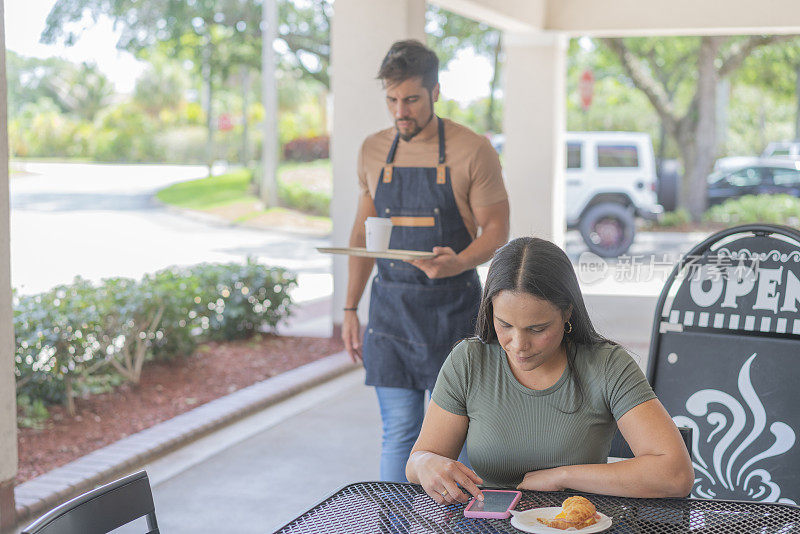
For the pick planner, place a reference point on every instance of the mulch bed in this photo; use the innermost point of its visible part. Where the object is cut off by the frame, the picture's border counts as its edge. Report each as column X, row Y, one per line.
column 167, row 389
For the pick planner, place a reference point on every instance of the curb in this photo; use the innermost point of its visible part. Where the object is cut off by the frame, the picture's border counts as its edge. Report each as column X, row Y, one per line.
column 63, row 483
column 216, row 220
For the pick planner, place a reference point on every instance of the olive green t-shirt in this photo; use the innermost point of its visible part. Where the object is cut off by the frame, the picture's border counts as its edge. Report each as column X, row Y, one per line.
column 514, row 429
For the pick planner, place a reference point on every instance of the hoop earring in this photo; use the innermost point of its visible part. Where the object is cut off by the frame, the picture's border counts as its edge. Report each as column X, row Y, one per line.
column 567, row 327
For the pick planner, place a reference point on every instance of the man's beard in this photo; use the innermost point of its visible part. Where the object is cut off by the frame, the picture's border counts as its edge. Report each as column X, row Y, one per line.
column 408, row 136
column 417, row 128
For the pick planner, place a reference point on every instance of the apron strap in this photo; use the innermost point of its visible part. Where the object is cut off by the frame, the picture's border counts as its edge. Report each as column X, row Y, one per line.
column 441, row 141
column 390, row 157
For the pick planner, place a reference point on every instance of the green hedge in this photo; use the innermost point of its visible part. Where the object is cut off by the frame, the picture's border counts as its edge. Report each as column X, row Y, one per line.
column 771, row 209
column 73, row 335
column 297, row 196
column 749, row 209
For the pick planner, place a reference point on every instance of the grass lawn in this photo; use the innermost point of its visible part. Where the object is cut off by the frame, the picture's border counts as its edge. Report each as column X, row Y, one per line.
column 230, row 197
column 211, row 192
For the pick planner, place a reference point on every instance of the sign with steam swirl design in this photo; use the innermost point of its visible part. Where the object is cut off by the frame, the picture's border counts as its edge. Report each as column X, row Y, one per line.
column 728, row 367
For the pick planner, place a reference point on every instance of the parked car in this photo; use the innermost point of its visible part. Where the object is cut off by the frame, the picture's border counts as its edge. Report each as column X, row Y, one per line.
column 766, row 177
column 735, row 162
column 782, row 149
column 610, row 180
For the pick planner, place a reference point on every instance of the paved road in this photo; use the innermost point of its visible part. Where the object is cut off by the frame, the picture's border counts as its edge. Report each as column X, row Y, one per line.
column 102, row 220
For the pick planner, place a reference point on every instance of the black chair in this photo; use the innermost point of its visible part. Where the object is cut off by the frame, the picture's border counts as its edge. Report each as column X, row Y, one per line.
column 724, row 361
column 101, row 510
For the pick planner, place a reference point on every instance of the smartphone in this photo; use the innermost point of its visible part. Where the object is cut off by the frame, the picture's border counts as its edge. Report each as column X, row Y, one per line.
column 496, row 504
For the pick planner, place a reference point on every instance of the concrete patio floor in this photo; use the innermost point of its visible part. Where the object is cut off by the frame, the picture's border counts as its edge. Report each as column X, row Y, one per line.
column 290, row 456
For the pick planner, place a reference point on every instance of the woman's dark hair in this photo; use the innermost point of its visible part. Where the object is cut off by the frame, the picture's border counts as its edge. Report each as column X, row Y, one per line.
column 407, row 59
column 539, row 268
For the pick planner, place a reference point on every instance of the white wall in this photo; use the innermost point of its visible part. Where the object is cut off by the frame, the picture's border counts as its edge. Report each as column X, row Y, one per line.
column 510, row 15
column 361, row 34
column 672, row 17
column 633, row 17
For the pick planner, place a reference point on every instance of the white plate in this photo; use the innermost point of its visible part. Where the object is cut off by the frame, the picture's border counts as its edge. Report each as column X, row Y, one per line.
column 527, row 521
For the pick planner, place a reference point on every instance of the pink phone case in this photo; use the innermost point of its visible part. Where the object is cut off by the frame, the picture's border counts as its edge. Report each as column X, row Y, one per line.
column 493, row 515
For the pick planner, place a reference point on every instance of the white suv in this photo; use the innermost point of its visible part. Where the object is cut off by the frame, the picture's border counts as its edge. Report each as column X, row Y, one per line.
column 610, row 179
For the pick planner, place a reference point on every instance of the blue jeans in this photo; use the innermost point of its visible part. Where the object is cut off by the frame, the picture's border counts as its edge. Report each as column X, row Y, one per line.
column 402, row 411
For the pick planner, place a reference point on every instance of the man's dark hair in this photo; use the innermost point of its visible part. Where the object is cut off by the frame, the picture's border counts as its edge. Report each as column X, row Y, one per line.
column 407, row 59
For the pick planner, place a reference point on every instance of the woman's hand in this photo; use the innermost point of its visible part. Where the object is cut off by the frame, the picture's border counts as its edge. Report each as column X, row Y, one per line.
column 441, row 477
column 543, row 480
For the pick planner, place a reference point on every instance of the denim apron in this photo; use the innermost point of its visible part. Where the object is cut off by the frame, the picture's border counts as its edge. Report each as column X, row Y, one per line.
column 415, row 321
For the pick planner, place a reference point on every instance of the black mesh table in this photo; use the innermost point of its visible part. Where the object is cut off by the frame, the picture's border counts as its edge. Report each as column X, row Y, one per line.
column 392, row 508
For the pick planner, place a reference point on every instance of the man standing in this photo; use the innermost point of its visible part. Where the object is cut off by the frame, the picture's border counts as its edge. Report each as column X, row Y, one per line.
column 440, row 183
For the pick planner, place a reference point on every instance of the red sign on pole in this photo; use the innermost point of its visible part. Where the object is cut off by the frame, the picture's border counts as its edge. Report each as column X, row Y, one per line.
column 225, row 122
column 586, row 88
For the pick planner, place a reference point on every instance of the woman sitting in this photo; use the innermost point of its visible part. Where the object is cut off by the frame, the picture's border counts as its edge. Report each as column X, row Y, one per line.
column 539, row 394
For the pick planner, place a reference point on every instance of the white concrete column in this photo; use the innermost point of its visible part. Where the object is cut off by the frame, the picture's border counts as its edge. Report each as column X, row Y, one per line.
column 8, row 399
column 534, row 121
column 362, row 32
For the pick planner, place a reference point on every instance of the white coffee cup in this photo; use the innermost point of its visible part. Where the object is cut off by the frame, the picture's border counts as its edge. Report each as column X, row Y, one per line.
column 379, row 231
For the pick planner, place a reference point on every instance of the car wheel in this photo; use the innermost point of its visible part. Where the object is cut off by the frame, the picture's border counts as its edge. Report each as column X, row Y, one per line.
column 608, row 229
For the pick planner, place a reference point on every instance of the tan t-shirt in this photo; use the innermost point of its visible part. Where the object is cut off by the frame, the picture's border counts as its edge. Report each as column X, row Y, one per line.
column 475, row 171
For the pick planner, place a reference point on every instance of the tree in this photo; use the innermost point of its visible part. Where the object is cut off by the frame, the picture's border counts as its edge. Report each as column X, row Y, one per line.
column 776, row 68
column 449, row 33
column 304, row 31
column 26, row 80
column 219, row 38
column 161, row 86
column 694, row 75
column 214, row 35
column 81, row 90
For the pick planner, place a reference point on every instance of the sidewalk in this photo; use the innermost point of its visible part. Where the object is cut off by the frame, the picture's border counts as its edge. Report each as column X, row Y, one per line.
column 289, row 457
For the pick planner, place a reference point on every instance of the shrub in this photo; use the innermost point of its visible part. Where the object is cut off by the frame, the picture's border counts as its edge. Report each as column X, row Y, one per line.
column 307, row 148
column 125, row 133
column 774, row 209
column 41, row 130
column 176, row 295
column 242, row 299
column 296, row 196
column 675, row 218
column 76, row 337
column 57, row 341
column 31, row 413
column 184, row 144
column 142, row 319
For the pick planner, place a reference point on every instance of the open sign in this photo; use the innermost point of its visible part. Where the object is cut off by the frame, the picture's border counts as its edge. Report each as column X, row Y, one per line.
column 776, row 289
column 741, row 288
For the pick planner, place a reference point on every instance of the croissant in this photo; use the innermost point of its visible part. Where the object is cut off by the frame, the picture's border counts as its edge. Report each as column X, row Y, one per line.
column 576, row 512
